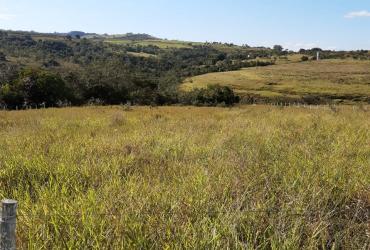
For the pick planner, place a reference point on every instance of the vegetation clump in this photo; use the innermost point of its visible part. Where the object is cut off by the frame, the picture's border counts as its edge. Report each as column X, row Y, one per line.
column 2, row 57
column 213, row 95
column 35, row 87
column 305, row 58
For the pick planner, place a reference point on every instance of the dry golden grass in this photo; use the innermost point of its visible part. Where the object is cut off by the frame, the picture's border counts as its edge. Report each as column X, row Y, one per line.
column 184, row 177
column 341, row 79
column 141, row 54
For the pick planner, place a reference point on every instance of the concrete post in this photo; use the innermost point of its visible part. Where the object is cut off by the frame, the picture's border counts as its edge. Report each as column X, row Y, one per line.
column 8, row 225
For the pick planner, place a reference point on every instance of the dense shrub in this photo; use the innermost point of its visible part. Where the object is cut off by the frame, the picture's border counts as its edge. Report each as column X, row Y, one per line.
column 11, row 96
column 304, row 58
column 2, row 57
column 213, row 95
column 35, row 87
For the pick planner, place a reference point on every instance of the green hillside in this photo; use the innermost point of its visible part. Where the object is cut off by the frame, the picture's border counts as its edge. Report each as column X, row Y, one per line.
column 79, row 68
column 339, row 80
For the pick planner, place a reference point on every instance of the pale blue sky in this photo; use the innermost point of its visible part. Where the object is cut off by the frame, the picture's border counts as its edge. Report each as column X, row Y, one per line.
column 339, row 24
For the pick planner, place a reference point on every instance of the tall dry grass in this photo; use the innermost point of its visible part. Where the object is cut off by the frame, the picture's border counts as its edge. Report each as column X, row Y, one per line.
column 178, row 177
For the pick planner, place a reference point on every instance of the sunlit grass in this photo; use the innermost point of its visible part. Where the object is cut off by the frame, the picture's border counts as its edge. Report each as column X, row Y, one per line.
column 163, row 44
column 335, row 78
column 185, row 177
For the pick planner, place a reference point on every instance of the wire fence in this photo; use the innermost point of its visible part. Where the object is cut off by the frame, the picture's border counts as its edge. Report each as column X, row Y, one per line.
column 357, row 212
column 329, row 107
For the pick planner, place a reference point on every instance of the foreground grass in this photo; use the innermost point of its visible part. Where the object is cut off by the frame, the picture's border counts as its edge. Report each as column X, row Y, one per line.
column 344, row 80
column 203, row 178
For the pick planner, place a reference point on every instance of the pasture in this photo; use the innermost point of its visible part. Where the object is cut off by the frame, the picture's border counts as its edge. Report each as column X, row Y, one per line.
column 340, row 80
column 163, row 44
column 186, row 177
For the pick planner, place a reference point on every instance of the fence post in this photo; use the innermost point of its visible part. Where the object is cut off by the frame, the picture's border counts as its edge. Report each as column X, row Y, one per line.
column 8, row 224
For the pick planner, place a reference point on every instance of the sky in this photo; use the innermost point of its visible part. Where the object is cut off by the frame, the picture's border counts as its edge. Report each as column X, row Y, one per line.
column 295, row 24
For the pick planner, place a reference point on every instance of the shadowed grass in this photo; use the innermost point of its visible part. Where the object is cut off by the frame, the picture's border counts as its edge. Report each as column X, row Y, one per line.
column 179, row 177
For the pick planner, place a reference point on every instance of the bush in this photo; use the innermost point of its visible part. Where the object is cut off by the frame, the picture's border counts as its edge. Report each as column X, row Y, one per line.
column 106, row 93
column 213, row 95
column 10, row 96
column 35, row 87
column 304, row 58
column 51, row 63
column 312, row 100
column 2, row 57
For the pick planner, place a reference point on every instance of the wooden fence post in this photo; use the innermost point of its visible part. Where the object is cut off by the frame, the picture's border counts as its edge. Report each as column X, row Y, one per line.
column 8, row 224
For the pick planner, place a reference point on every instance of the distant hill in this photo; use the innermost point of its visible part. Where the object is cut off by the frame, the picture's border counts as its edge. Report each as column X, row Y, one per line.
column 74, row 34
column 82, row 34
column 127, row 36
column 132, row 36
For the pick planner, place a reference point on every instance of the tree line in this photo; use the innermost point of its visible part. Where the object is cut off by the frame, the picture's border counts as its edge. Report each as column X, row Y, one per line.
column 55, row 71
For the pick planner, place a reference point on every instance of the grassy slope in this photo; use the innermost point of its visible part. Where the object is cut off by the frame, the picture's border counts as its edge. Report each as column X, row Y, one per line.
column 141, row 54
column 177, row 177
column 168, row 44
column 339, row 78
column 163, row 44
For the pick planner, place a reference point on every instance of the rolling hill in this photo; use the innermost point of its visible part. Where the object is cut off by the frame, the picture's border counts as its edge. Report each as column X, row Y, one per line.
column 143, row 69
column 338, row 80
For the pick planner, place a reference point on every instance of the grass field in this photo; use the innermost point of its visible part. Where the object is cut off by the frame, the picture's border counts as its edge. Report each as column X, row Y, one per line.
column 163, row 44
column 342, row 80
column 141, row 54
column 178, row 177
